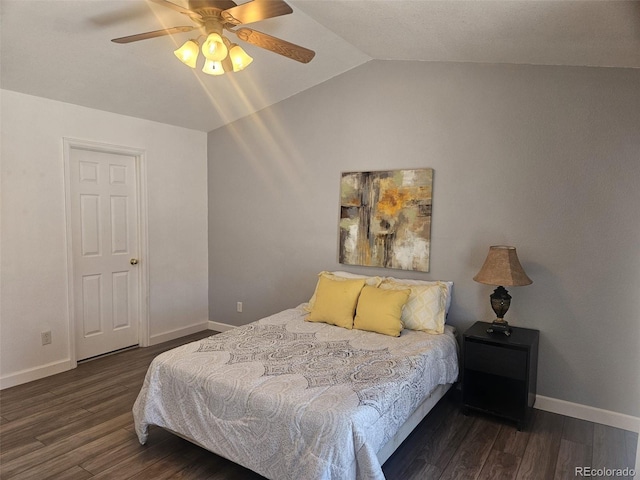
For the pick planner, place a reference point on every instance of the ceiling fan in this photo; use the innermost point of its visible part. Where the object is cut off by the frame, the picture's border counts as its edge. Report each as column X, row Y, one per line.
column 212, row 18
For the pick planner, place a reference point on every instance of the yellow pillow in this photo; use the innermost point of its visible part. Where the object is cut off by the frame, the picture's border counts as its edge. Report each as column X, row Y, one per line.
column 336, row 301
column 380, row 310
column 341, row 276
column 426, row 307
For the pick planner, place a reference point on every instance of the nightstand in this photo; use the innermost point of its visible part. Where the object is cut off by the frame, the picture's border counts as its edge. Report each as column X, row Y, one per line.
column 499, row 372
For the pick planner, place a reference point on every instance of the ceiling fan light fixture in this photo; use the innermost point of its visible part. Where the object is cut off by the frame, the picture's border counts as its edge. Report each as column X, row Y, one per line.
column 188, row 53
column 211, row 18
column 213, row 68
column 214, row 48
column 239, row 57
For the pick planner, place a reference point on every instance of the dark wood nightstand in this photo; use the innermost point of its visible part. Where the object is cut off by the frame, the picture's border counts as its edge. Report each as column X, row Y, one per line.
column 499, row 372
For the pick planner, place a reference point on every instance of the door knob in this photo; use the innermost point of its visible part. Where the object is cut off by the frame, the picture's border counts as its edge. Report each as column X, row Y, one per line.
column 133, row 261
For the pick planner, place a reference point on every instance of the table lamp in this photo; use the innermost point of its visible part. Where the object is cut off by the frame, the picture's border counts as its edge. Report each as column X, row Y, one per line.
column 501, row 267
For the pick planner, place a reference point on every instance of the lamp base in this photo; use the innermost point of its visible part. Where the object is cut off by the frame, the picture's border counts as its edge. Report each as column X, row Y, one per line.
column 500, row 327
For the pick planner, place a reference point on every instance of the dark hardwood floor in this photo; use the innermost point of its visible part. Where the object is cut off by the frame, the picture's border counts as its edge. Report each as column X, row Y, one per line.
column 78, row 425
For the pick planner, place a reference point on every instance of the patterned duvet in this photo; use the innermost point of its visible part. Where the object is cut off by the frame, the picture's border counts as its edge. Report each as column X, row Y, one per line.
column 291, row 399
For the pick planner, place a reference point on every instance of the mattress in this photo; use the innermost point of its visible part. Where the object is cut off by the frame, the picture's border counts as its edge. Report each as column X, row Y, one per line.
column 291, row 399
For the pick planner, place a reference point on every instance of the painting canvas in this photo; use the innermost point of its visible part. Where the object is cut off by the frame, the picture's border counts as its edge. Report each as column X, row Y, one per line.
column 385, row 218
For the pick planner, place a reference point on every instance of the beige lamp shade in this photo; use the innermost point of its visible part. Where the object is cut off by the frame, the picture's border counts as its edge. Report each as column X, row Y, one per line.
column 502, row 267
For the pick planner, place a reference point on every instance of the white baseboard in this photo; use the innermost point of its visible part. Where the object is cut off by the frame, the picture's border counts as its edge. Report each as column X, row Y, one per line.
column 220, row 327
column 35, row 373
column 177, row 333
column 585, row 412
column 53, row 368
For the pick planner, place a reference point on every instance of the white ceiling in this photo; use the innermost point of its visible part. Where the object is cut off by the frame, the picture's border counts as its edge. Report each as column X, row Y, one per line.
column 61, row 49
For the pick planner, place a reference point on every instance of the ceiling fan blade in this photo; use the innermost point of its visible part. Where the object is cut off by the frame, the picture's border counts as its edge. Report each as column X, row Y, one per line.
column 276, row 45
column 177, row 8
column 155, row 33
column 130, row 12
column 255, row 11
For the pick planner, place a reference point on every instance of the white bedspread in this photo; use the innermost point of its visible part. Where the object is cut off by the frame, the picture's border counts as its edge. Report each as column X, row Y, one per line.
column 296, row 400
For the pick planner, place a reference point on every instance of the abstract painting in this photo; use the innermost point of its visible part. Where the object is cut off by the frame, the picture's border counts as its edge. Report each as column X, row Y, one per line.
column 385, row 218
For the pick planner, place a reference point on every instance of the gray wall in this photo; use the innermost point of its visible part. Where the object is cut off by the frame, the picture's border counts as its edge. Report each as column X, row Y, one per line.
column 543, row 158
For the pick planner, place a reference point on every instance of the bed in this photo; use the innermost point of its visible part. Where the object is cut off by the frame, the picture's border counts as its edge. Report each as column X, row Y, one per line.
column 291, row 398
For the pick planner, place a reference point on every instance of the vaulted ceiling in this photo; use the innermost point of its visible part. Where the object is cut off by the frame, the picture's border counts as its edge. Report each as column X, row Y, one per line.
column 61, row 49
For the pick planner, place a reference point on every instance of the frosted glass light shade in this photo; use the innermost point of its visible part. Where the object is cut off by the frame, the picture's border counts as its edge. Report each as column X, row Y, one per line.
column 188, row 53
column 214, row 48
column 239, row 58
column 213, row 68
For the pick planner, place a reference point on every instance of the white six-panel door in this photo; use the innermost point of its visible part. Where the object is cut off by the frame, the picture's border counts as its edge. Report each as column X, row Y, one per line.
column 104, row 233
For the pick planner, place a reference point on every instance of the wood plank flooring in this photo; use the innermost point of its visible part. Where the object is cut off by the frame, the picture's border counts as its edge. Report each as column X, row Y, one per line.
column 78, row 425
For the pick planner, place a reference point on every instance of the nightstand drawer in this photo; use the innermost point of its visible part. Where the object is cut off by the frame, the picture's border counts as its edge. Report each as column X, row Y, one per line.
column 496, row 360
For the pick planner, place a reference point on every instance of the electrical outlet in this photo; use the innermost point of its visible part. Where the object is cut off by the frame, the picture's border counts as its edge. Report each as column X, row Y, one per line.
column 239, row 307
column 46, row 337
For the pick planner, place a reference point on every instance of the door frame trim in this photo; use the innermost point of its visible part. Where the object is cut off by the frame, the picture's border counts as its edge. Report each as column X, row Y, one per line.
column 143, row 235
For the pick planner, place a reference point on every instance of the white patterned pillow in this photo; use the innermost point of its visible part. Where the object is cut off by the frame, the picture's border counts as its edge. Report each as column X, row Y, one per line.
column 407, row 281
column 426, row 308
